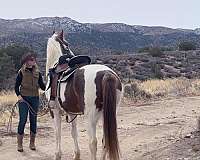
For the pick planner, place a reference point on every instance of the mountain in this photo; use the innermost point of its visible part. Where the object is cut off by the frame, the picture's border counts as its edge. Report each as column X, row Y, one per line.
column 197, row 30
column 91, row 38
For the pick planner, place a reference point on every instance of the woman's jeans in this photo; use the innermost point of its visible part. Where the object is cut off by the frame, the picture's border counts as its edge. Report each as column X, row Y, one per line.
column 23, row 114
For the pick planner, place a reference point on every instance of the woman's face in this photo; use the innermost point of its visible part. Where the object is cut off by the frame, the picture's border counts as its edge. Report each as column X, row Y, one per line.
column 31, row 62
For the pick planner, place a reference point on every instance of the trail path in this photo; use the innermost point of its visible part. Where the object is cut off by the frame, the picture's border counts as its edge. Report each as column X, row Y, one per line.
column 157, row 131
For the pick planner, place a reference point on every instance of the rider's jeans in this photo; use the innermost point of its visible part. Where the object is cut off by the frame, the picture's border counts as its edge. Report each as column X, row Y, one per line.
column 24, row 110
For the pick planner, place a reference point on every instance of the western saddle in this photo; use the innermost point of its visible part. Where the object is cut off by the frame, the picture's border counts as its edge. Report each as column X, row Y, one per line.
column 65, row 67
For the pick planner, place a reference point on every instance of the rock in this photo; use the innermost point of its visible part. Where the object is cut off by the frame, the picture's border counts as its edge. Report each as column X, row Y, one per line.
column 195, row 148
column 188, row 136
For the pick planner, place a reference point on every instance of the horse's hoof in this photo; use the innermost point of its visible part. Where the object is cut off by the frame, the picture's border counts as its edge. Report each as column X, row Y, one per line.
column 58, row 157
column 77, row 156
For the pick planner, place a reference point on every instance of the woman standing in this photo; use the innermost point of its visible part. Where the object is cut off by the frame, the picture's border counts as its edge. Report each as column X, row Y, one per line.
column 27, row 85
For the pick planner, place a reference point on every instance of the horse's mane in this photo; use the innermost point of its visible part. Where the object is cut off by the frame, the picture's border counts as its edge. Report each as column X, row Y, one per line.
column 53, row 52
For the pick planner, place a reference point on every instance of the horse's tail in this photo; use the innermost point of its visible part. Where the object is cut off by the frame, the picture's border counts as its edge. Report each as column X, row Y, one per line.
column 109, row 115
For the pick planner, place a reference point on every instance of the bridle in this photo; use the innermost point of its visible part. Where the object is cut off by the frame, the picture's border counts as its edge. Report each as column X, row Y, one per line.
column 65, row 50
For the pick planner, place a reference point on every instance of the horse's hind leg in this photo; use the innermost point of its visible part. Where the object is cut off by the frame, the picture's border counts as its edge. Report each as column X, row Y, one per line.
column 74, row 134
column 103, row 154
column 93, row 119
column 92, row 141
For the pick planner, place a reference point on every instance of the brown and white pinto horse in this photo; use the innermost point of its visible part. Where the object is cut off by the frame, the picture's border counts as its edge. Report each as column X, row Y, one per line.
column 95, row 88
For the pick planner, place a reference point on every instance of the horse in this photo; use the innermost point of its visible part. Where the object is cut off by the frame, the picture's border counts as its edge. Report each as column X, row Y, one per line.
column 94, row 87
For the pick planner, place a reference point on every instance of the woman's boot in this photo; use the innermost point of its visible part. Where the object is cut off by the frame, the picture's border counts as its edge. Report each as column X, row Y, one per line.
column 20, row 142
column 32, row 141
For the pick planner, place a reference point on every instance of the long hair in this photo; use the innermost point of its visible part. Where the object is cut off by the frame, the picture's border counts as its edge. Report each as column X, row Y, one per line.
column 53, row 52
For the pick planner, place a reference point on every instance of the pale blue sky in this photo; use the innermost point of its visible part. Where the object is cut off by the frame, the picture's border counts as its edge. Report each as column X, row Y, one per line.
column 169, row 13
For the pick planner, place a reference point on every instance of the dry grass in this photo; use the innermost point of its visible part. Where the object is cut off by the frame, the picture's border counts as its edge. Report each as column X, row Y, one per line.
column 7, row 100
column 7, row 97
column 162, row 88
column 136, row 90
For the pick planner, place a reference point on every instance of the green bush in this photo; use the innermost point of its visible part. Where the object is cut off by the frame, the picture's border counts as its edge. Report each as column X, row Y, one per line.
column 156, row 69
column 156, row 51
column 186, row 46
column 149, row 49
column 167, row 49
column 15, row 52
column 144, row 49
column 6, row 68
column 10, row 58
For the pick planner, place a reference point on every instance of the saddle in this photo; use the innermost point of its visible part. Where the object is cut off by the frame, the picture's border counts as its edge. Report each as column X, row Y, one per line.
column 63, row 75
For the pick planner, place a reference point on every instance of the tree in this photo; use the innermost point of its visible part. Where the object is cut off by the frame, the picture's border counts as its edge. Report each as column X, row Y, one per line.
column 144, row 49
column 156, row 69
column 155, row 51
column 10, row 58
column 6, row 68
column 16, row 52
column 186, row 46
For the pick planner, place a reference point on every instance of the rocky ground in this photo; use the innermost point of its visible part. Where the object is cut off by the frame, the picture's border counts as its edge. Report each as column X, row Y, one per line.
column 159, row 130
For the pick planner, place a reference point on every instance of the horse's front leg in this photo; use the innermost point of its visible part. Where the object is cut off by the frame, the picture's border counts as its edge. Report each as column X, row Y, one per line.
column 74, row 134
column 103, row 154
column 57, row 127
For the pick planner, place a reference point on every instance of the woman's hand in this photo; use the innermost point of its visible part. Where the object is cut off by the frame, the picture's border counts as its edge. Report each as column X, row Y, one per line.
column 19, row 98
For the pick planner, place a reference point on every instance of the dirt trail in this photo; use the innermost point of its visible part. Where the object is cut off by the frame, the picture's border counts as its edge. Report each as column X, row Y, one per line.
column 157, row 131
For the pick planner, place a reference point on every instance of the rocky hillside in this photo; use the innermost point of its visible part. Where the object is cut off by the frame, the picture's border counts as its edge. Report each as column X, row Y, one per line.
column 143, row 66
column 92, row 39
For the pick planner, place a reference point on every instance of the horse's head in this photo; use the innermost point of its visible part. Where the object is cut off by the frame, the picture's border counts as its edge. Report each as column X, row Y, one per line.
column 63, row 43
column 56, row 47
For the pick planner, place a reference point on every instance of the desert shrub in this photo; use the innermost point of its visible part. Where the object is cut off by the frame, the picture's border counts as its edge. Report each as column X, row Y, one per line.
column 6, row 68
column 153, row 89
column 9, row 63
column 16, row 52
column 156, row 52
column 144, row 49
column 132, row 90
column 156, row 69
column 186, row 46
column 167, row 49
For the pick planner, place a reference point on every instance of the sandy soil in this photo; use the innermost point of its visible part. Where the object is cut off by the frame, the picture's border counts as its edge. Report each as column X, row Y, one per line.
column 160, row 130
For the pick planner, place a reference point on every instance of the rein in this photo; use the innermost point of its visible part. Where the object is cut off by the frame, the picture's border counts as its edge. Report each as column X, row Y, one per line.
column 39, row 114
column 31, row 110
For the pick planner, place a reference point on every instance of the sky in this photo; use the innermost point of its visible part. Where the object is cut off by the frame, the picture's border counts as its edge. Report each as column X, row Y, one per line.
column 168, row 13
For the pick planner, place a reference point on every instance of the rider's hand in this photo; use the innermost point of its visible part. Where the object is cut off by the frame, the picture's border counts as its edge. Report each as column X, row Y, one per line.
column 19, row 98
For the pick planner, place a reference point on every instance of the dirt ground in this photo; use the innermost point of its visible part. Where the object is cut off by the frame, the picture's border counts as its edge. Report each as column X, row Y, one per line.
column 160, row 130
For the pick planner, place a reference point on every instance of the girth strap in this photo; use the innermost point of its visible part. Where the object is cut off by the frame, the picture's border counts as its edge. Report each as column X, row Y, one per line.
column 54, row 86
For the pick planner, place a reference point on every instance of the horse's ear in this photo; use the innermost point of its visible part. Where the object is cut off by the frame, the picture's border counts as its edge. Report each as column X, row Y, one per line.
column 54, row 31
